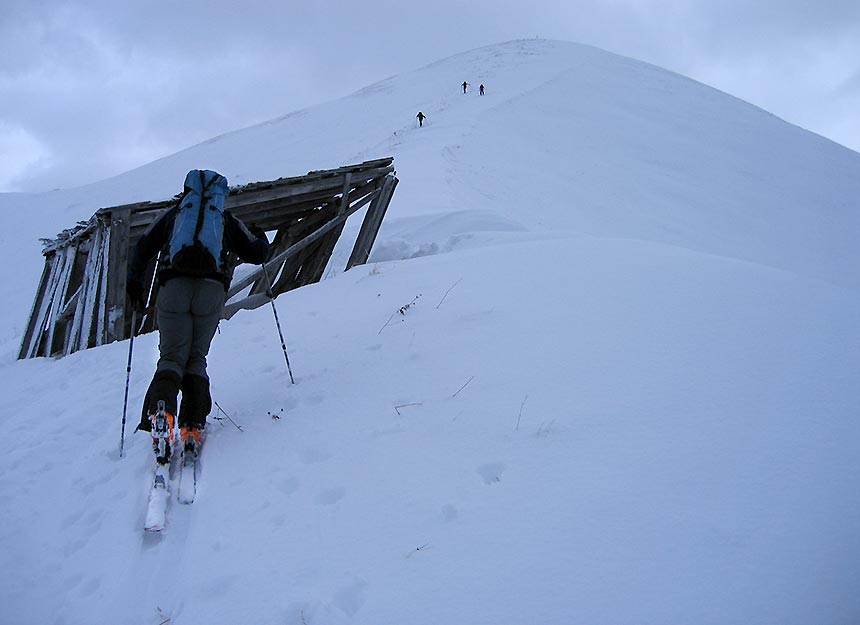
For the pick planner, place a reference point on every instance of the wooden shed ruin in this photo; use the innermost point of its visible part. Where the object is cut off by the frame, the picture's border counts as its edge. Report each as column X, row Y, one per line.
column 81, row 300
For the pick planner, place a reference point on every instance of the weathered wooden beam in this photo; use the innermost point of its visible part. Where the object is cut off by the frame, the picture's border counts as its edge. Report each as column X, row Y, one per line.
column 284, row 210
column 82, row 322
column 101, row 317
column 58, row 297
column 301, row 188
column 289, row 277
column 35, row 311
column 365, row 168
column 90, row 325
column 142, row 213
column 285, row 193
column 47, row 303
column 283, row 274
column 287, row 235
column 360, row 167
column 150, row 290
column 312, row 271
column 371, row 224
column 69, row 307
column 120, row 223
column 344, row 195
column 241, row 284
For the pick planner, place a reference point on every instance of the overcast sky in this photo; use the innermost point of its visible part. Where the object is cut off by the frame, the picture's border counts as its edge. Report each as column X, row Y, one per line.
column 92, row 88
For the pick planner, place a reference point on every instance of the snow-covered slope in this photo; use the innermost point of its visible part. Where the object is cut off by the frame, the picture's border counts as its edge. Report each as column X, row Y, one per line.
column 623, row 390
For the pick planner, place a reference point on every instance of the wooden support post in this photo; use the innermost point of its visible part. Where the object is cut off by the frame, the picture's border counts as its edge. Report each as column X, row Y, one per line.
column 58, row 298
column 313, row 270
column 31, row 332
column 83, row 321
column 94, row 313
column 344, row 198
column 101, row 317
column 372, row 222
column 120, row 221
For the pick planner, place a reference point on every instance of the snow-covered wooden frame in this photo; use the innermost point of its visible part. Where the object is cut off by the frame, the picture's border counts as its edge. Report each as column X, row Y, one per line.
column 80, row 301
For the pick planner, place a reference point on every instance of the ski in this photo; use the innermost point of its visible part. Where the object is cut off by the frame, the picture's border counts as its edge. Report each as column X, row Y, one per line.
column 162, row 435
column 187, row 480
column 189, row 472
column 156, row 511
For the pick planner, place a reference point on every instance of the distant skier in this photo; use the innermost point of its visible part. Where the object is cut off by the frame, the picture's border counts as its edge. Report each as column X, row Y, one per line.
column 464, row 85
column 421, row 117
column 481, row 89
column 193, row 278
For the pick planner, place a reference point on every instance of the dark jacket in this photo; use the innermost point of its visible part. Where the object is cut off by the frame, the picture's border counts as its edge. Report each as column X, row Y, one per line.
column 249, row 247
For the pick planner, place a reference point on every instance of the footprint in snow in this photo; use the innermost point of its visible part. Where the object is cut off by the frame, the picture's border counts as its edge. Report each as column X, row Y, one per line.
column 331, row 496
column 491, row 472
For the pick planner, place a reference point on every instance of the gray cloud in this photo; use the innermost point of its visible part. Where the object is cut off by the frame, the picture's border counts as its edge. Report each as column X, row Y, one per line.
column 90, row 88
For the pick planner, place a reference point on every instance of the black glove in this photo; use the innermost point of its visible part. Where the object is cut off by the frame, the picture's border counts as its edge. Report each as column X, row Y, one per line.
column 257, row 231
column 134, row 290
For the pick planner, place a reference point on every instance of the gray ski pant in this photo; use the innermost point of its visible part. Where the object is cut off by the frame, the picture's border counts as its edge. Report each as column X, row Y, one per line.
column 188, row 313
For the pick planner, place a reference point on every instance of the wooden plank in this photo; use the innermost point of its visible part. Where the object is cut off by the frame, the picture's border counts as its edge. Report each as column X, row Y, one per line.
column 360, row 167
column 366, row 234
column 284, row 274
column 62, row 318
column 120, row 222
column 101, row 318
column 365, row 169
column 287, row 236
column 24, row 350
column 83, row 334
column 70, row 329
column 144, row 218
column 275, row 261
column 59, row 295
column 312, row 271
column 283, row 210
column 150, row 285
column 299, row 189
column 45, row 305
column 93, row 298
column 371, row 224
column 281, row 193
column 85, row 300
column 71, row 304
column 289, row 278
column 344, row 195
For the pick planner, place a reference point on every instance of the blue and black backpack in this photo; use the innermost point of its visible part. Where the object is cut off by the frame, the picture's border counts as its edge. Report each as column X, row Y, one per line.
column 195, row 244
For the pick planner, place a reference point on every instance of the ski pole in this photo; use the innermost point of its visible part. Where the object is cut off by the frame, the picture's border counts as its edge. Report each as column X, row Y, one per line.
column 277, row 322
column 127, row 379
